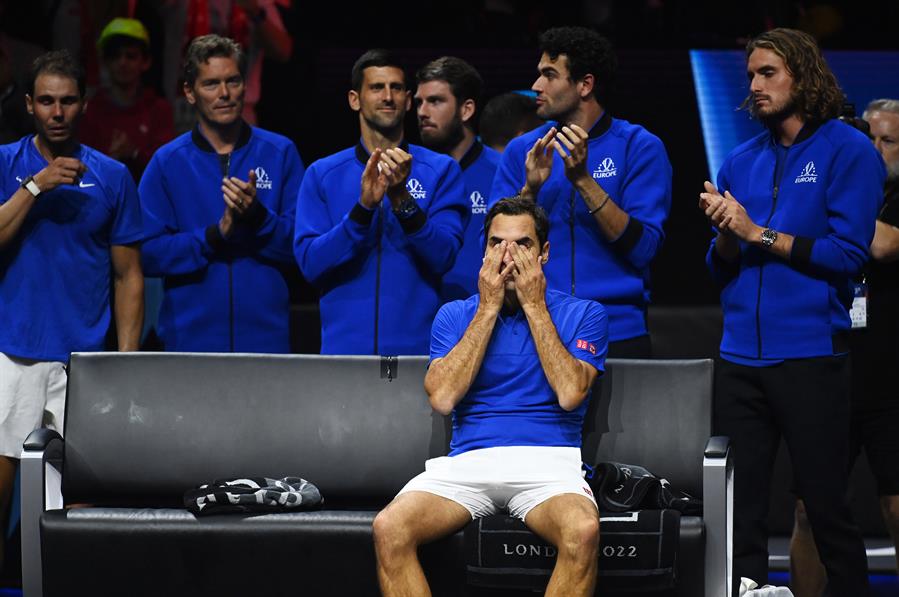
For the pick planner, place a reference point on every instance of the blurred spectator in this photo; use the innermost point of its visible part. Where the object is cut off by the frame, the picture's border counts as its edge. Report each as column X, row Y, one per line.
column 127, row 120
column 255, row 24
column 505, row 117
column 447, row 100
column 875, row 356
column 16, row 57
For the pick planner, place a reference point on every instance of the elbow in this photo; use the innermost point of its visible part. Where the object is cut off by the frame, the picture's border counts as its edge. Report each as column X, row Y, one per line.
column 441, row 402
column 572, row 399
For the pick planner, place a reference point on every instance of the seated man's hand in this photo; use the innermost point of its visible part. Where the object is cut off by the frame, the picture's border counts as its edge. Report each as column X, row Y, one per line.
column 530, row 283
column 492, row 277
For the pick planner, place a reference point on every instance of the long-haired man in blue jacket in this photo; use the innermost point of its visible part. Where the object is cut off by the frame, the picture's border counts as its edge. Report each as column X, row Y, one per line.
column 794, row 209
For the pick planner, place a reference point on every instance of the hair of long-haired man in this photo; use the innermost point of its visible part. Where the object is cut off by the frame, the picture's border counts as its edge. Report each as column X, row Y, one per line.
column 817, row 94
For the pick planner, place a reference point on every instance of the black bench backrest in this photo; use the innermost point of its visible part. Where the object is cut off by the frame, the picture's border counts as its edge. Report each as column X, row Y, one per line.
column 654, row 413
column 144, row 427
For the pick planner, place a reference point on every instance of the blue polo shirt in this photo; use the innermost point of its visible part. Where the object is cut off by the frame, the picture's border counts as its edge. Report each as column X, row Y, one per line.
column 478, row 168
column 510, row 402
column 55, row 275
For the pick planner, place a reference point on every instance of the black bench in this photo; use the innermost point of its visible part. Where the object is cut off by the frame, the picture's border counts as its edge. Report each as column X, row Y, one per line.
column 142, row 428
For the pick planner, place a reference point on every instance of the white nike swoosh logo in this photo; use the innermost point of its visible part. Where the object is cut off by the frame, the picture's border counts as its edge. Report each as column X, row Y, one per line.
column 18, row 179
column 85, row 185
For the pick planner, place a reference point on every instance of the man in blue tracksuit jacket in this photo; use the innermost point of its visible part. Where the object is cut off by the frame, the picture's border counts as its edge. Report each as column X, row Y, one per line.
column 794, row 224
column 377, row 262
column 446, row 99
column 605, row 183
column 218, row 240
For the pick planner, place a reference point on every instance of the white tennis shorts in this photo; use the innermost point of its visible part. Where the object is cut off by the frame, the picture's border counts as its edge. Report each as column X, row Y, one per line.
column 32, row 395
column 509, row 478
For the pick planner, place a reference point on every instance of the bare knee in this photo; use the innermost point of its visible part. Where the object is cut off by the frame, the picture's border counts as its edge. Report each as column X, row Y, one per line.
column 801, row 518
column 580, row 538
column 391, row 533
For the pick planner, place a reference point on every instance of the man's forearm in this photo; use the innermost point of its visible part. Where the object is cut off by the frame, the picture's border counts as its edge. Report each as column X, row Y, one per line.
column 129, row 309
column 611, row 219
column 448, row 379
column 12, row 214
column 567, row 376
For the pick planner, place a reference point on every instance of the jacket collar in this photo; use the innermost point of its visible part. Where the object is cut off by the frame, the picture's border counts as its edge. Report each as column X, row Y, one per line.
column 363, row 154
column 472, row 154
column 808, row 129
column 204, row 145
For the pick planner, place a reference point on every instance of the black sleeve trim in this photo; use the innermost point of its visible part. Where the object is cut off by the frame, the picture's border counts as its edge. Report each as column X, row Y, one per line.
column 629, row 238
column 801, row 254
column 214, row 238
column 362, row 216
column 731, row 268
column 413, row 223
column 255, row 215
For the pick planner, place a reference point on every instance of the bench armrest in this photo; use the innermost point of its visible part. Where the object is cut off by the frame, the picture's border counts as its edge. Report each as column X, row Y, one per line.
column 41, row 472
column 718, row 519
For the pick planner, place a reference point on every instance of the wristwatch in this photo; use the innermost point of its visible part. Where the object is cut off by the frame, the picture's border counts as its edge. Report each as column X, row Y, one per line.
column 406, row 209
column 769, row 235
column 29, row 185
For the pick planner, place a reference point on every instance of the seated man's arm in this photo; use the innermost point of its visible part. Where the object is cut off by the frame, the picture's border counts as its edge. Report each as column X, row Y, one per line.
column 449, row 377
column 569, row 377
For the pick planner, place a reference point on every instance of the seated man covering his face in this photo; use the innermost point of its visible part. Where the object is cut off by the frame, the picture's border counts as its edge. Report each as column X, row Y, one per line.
column 514, row 364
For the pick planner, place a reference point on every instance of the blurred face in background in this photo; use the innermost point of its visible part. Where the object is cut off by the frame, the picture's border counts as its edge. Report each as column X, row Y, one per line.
column 126, row 63
column 885, row 133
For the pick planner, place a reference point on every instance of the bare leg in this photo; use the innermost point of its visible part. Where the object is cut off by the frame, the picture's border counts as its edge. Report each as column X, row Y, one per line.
column 807, row 575
column 889, row 507
column 412, row 519
column 571, row 523
column 7, row 479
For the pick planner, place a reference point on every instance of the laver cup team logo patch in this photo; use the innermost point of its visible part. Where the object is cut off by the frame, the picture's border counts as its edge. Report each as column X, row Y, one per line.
column 808, row 174
column 263, row 180
column 584, row 345
column 605, row 169
column 415, row 188
column 478, row 203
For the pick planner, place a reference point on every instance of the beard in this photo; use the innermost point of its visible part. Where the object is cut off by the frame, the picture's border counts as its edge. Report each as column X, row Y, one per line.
column 892, row 172
column 447, row 140
column 773, row 114
column 386, row 125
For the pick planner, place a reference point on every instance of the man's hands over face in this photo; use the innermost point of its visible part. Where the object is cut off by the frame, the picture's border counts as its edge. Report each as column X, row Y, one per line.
column 510, row 261
column 493, row 275
column 530, row 283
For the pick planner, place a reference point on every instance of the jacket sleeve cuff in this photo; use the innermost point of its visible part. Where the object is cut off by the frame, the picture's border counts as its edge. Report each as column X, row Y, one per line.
column 629, row 238
column 255, row 216
column 801, row 254
column 413, row 223
column 362, row 215
column 727, row 268
column 214, row 239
